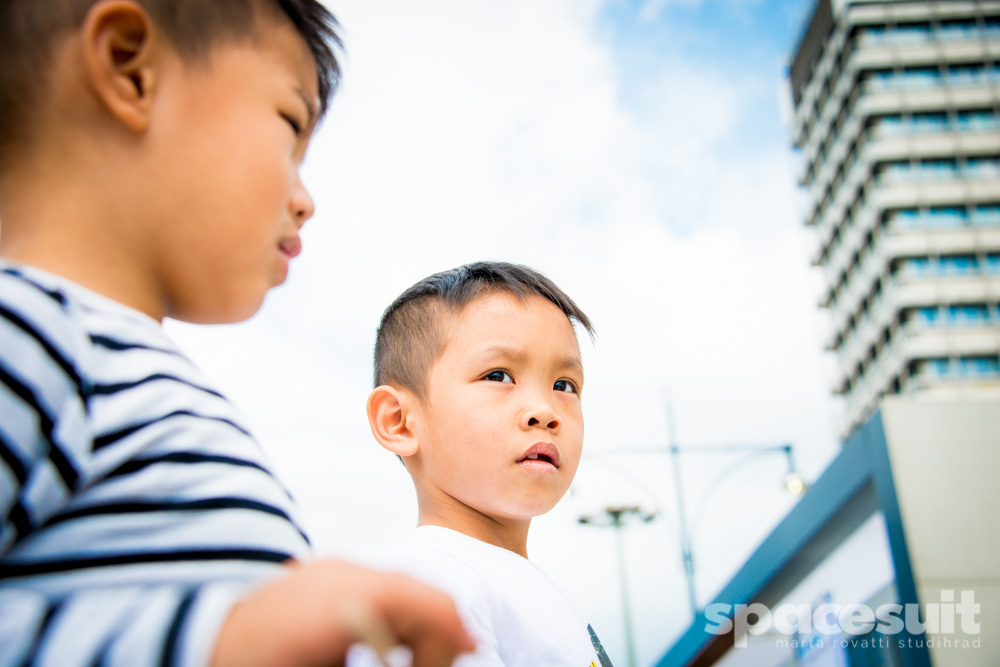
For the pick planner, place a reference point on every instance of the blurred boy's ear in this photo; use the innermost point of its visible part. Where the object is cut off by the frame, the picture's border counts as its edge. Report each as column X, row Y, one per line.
column 390, row 416
column 118, row 46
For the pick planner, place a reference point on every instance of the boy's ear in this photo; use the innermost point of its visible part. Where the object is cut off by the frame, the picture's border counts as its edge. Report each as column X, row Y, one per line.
column 390, row 415
column 118, row 44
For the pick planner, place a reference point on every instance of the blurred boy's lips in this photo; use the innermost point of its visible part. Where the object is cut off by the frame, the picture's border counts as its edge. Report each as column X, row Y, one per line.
column 290, row 247
column 541, row 454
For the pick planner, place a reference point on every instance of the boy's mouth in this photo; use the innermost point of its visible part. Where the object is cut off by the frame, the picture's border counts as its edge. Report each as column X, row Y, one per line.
column 290, row 247
column 542, row 455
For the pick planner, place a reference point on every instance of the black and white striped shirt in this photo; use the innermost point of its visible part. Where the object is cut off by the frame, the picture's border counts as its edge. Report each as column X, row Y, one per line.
column 135, row 507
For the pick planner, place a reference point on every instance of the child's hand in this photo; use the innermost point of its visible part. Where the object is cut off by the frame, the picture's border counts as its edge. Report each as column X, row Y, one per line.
column 314, row 614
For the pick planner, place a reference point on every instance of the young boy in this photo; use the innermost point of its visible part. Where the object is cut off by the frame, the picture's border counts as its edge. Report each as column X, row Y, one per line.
column 478, row 382
column 149, row 168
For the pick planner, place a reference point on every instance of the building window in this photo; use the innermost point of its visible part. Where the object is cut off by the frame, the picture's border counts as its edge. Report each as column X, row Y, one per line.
column 905, row 218
column 957, row 265
column 936, row 169
column 983, row 167
column 917, row 77
column 892, row 172
column 963, row 121
column 888, row 124
column 949, row 265
column 928, row 122
column 917, row 266
column 880, row 79
column 961, row 29
column 964, row 314
column 946, row 216
column 909, row 33
column 979, row 366
column 912, row 32
column 987, row 214
column 938, row 366
column 976, row 120
column 968, row 313
column 924, row 77
column 874, row 34
column 972, row 74
column 929, row 316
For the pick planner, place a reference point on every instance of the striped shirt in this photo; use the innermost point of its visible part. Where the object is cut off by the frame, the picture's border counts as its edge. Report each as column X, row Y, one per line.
column 136, row 509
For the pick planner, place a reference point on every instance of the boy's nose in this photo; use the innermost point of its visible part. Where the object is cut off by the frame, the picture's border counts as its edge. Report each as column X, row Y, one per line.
column 541, row 415
column 302, row 204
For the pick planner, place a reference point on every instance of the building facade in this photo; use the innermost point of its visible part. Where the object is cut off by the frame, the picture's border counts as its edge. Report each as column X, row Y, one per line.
column 897, row 116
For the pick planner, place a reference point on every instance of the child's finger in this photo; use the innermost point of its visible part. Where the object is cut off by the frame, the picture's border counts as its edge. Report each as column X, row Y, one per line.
column 369, row 628
column 426, row 620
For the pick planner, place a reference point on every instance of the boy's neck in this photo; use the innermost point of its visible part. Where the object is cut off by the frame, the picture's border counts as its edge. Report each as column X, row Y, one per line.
column 511, row 535
column 59, row 223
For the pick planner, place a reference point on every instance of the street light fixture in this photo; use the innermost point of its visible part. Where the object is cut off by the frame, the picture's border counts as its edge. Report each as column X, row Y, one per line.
column 615, row 516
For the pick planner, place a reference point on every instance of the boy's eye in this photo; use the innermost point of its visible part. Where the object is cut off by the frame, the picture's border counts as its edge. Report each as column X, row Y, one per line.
column 565, row 385
column 498, row 376
column 296, row 128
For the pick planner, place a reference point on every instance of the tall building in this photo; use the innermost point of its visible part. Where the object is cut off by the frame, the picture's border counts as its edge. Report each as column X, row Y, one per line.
column 897, row 114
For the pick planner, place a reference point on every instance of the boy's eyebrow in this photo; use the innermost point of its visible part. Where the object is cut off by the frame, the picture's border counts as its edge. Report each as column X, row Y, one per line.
column 505, row 352
column 573, row 364
column 515, row 354
column 310, row 106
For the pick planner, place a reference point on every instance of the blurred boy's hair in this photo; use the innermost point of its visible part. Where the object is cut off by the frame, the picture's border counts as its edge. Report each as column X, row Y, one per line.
column 30, row 31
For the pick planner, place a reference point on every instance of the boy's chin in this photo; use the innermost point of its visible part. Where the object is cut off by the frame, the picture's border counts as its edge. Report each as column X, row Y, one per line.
column 536, row 510
column 229, row 311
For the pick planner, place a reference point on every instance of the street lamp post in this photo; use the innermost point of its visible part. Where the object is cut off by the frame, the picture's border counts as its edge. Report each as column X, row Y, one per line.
column 615, row 516
column 794, row 483
column 687, row 555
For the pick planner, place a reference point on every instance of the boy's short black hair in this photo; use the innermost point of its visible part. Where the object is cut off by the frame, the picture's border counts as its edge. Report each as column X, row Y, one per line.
column 411, row 334
column 30, row 30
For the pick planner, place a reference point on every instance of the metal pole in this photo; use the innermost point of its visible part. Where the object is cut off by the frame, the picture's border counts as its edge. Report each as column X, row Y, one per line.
column 686, row 554
column 616, row 517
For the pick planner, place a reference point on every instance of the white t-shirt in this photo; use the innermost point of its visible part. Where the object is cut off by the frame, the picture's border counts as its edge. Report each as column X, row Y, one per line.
column 517, row 615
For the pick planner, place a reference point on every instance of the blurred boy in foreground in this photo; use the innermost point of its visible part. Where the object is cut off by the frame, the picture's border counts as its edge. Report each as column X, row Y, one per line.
column 149, row 168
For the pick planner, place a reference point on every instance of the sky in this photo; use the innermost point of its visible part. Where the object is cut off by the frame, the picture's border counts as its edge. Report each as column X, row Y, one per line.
column 637, row 153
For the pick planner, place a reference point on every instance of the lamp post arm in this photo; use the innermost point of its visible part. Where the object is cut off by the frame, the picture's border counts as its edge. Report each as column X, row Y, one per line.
column 712, row 486
column 653, row 448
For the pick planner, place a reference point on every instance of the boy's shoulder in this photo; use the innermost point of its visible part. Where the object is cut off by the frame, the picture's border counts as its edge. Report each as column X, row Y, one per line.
column 57, row 322
column 62, row 347
column 32, row 297
column 52, row 299
column 458, row 546
column 42, row 328
column 466, row 567
column 443, row 553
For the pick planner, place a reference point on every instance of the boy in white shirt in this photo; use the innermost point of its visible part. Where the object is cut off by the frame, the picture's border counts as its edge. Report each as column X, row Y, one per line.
column 478, row 381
